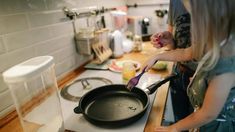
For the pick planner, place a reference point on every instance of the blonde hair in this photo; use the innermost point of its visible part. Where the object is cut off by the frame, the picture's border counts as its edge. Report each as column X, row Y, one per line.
column 211, row 23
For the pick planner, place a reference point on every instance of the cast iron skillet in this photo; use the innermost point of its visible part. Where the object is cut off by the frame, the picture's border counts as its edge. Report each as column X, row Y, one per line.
column 116, row 106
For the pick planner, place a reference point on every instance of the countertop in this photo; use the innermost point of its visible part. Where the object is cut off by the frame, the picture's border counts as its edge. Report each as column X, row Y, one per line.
column 157, row 111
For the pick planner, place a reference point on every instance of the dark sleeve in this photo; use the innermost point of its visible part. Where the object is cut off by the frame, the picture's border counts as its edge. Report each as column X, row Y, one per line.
column 170, row 14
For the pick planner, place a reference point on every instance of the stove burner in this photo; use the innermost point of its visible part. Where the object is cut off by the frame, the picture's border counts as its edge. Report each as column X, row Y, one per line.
column 75, row 90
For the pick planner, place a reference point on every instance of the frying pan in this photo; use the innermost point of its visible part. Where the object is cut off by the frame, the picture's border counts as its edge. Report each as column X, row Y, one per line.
column 114, row 105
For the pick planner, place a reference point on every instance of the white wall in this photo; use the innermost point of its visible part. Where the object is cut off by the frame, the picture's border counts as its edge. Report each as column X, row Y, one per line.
column 29, row 28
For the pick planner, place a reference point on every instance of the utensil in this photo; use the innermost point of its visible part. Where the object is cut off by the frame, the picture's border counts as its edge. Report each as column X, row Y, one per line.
column 135, row 80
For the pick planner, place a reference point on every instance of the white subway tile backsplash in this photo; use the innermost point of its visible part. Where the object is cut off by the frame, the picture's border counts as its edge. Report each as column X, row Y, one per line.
column 26, row 38
column 12, row 6
column 21, row 6
column 59, row 4
column 53, row 45
column 46, row 18
column 80, row 59
column 4, row 62
column 65, row 66
column 6, row 99
column 64, row 53
column 2, row 47
column 62, row 29
column 19, row 56
column 35, row 5
column 3, row 85
column 13, row 23
column 13, row 58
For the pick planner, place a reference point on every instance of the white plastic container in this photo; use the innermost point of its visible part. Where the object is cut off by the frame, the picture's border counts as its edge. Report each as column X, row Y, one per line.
column 34, row 90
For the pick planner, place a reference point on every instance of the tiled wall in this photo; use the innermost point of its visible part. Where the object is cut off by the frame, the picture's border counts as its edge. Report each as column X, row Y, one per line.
column 30, row 28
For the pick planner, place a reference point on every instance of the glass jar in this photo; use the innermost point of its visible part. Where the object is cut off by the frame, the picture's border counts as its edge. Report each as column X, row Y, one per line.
column 128, row 71
column 34, row 90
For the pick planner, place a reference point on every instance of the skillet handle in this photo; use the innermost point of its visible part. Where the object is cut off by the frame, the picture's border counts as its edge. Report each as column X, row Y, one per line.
column 77, row 110
column 153, row 87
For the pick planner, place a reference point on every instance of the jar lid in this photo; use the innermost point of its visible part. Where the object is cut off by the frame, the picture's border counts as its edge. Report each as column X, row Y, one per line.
column 28, row 69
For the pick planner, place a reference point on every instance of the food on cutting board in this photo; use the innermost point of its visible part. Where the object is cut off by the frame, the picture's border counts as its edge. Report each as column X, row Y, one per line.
column 160, row 65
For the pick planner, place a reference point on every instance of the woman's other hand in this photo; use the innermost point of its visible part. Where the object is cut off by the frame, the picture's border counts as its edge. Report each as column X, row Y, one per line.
column 162, row 39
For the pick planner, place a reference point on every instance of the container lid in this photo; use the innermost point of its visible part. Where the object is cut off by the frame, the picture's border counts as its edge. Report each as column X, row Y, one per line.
column 28, row 69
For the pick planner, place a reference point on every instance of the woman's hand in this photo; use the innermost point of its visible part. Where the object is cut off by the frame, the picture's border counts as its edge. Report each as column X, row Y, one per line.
column 165, row 129
column 162, row 39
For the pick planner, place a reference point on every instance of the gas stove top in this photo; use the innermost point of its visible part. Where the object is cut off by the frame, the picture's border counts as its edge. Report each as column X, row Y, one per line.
column 78, row 123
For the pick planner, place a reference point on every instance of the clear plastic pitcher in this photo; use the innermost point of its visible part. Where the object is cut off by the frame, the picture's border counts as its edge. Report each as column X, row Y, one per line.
column 34, row 90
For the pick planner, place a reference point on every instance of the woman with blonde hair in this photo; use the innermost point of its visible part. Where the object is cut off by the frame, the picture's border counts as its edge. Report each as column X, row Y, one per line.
column 212, row 89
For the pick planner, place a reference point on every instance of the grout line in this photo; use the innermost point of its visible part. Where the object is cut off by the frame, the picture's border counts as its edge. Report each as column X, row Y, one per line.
column 4, row 91
column 47, row 11
column 4, row 44
column 5, row 15
column 28, row 21
column 40, row 27
column 51, row 25
column 44, row 1
column 38, row 43
column 65, row 48
column 54, row 38
column 27, row 28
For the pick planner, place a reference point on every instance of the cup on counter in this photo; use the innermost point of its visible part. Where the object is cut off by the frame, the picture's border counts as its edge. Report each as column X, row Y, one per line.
column 128, row 71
